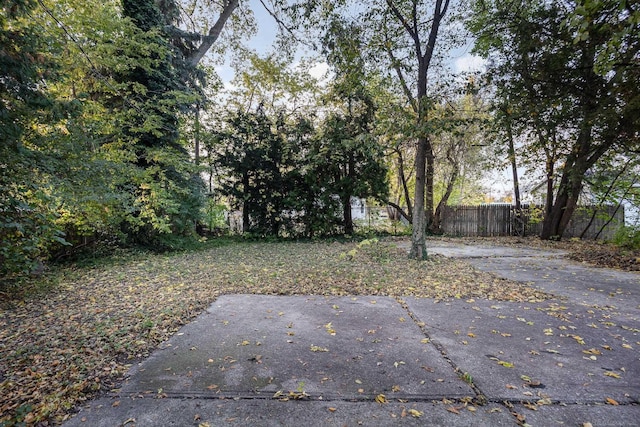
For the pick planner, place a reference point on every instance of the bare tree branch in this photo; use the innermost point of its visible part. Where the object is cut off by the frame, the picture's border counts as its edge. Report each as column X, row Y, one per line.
column 214, row 33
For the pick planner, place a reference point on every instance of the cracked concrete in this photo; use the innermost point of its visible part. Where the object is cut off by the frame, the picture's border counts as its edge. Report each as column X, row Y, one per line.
column 312, row 360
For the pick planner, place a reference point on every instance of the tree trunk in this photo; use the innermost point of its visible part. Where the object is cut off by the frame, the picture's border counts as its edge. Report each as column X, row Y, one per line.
column 418, row 236
column 348, row 219
column 245, row 208
column 197, row 135
column 429, row 202
column 556, row 221
column 437, row 217
column 519, row 223
column 215, row 31
column 405, row 187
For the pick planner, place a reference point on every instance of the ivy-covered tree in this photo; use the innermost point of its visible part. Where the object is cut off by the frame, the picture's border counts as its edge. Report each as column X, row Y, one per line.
column 152, row 86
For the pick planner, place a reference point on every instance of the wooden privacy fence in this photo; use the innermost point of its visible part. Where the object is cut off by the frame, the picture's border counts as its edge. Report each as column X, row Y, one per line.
column 500, row 220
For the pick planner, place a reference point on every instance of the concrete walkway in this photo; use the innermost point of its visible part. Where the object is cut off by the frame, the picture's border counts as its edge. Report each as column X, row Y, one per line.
column 254, row 360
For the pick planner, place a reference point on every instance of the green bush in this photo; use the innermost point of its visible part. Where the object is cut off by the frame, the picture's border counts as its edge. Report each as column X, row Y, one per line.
column 628, row 237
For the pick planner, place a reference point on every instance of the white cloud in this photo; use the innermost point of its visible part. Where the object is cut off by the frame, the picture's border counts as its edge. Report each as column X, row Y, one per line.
column 469, row 63
column 319, row 70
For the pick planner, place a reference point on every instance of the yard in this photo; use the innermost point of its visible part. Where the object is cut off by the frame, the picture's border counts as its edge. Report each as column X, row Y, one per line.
column 78, row 334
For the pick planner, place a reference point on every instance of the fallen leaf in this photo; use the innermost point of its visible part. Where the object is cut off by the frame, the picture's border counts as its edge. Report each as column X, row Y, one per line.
column 578, row 339
column 415, row 413
column 329, row 329
column 544, row 401
column 610, row 401
column 453, row 409
column 381, row 398
column 612, row 374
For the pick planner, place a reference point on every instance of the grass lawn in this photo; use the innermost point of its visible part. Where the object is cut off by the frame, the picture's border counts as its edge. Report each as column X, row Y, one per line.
column 79, row 335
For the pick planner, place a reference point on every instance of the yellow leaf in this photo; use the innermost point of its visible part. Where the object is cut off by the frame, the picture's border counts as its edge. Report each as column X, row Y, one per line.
column 612, row 374
column 381, row 398
column 425, row 341
column 330, row 329
column 505, row 364
column 610, row 401
column 471, row 335
column 627, row 346
column 578, row 339
column 453, row 410
column 333, row 409
column 415, row 413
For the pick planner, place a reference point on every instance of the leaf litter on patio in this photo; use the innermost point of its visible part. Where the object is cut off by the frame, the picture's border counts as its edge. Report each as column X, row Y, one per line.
column 61, row 347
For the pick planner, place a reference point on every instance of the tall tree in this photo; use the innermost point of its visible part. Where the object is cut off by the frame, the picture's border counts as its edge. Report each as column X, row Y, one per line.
column 420, row 24
column 574, row 109
column 152, row 86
